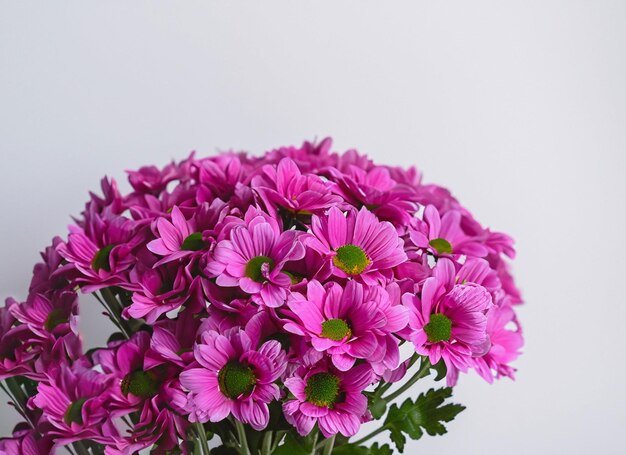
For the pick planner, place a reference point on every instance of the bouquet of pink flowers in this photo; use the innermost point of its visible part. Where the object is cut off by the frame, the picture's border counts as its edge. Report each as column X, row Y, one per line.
column 262, row 305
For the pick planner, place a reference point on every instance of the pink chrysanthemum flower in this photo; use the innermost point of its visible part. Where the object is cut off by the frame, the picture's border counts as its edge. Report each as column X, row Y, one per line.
column 449, row 322
column 505, row 335
column 102, row 251
column 376, row 190
column 284, row 186
column 46, row 317
column 254, row 257
column 358, row 245
column 324, row 395
column 74, row 403
column 233, row 377
column 357, row 322
column 25, row 441
column 161, row 289
column 443, row 235
column 176, row 238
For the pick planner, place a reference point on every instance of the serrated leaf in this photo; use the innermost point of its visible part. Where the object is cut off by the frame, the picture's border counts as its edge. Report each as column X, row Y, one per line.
column 378, row 408
column 441, row 370
column 427, row 413
column 350, row 449
column 295, row 445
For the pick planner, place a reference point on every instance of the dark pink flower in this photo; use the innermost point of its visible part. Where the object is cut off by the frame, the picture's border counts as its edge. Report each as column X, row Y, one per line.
column 324, row 395
column 443, row 235
column 102, row 251
column 449, row 321
column 357, row 322
column 233, row 377
column 253, row 259
column 284, row 186
column 74, row 402
column 358, row 245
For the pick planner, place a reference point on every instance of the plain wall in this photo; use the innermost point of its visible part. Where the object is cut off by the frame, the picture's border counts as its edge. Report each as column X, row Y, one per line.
column 519, row 107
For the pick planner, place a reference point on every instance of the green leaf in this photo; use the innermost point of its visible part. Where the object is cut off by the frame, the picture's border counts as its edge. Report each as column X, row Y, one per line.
column 224, row 450
column 382, row 450
column 427, row 413
column 378, row 408
column 350, row 449
column 296, row 445
column 441, row 370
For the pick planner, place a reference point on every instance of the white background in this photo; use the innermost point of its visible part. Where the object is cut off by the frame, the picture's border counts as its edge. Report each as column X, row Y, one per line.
column 518, row 106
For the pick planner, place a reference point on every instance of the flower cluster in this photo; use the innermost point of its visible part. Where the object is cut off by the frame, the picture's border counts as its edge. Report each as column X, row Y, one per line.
column 252, row 294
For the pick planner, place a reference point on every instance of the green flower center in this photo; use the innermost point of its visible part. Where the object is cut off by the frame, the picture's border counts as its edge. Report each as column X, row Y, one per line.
column 55, row 317
column 142, row 384
column 236, row 379
column 193, row 242
column 74, row 413
column 441, row 245
column 351, row 259
column 439, row 328
column 101, row 259
column 322, row 389
column 336, row 329
column 254, row 266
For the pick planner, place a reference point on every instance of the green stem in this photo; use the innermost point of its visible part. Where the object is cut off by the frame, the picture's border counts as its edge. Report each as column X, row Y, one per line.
column 241, row 435
column 369, row 436
column 279, row 437
column 115, row 309
column 423, row 371
column 80, row 448
column 204, row 443
column 328, row 447
column 314, row 444
column 266, row 446
column 15, row 392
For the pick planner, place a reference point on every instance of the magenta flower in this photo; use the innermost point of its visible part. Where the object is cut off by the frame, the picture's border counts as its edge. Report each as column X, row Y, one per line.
column 241, row 284
column 506, row 344
column 449, row 321
column 376, row 190
column 25, row 441
column 102, row 251
column 176, row 238
column 284, row 186
column 331, row 398
column 253, row 259
column 443, row 235
column 358, row 245
column 74, row 402
column 45, row 317
column 233, row 377
column 160, row 290
column 357, row 322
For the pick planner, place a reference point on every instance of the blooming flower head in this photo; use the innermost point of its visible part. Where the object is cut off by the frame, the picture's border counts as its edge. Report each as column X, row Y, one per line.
column 242, row 286
column 443, row 235
column 358, row 245
column 235, row 377
column 376, row 190
column 46, row 317
column 25, row 441
column 324, row 395
column 102, row 251
column 285, row 187
column 176, row 238
column 253, row 259
column 357, row 322
column 506, row 340
column 449, row 322
column 74, row 402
